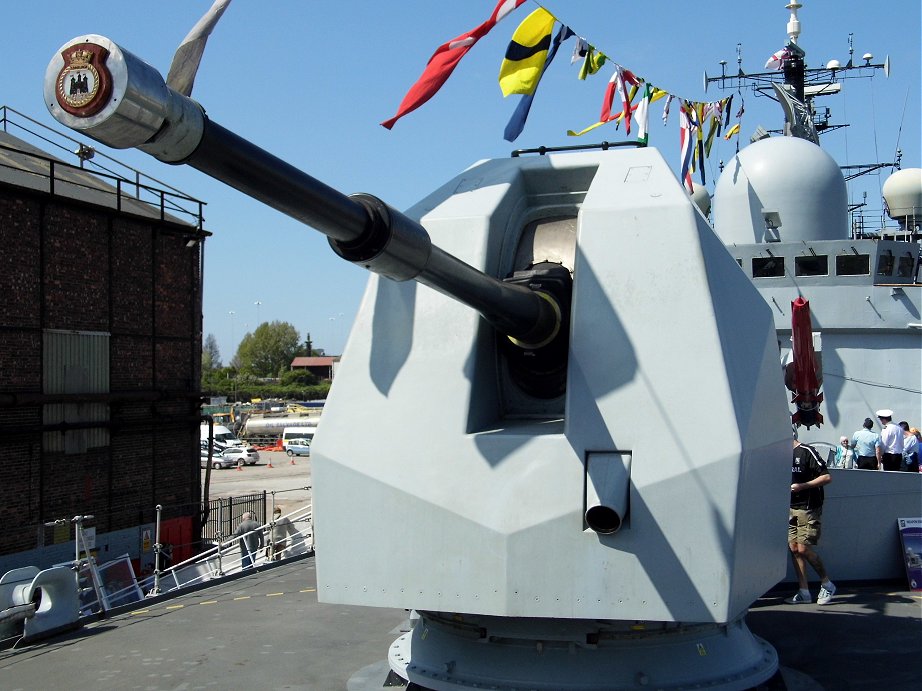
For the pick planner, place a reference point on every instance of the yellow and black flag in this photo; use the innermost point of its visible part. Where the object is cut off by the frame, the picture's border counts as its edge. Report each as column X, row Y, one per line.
column 525, row 56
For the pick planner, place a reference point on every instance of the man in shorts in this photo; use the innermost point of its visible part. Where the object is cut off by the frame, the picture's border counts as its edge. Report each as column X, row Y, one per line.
column 808, row 476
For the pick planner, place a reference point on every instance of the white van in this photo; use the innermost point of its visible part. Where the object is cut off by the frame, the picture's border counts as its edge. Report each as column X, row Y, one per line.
column 291, row 433
column 222, row 436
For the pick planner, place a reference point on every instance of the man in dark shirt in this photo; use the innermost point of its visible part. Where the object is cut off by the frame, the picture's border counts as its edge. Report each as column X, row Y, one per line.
column 808, row 476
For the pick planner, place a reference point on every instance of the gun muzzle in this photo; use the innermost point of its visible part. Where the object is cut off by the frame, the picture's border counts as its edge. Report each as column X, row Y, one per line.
column 96, row 87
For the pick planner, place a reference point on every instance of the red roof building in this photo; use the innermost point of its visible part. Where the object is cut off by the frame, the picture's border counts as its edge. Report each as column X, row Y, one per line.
column 321, row 366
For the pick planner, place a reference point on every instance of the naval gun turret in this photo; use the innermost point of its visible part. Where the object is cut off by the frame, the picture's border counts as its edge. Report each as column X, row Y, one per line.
column 584, row 483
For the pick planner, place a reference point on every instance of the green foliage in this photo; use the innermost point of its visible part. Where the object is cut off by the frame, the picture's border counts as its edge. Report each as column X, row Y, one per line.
column 211, row 356
column 298, row 377
column 261, row 368
column 268, row 350
column 236, row 386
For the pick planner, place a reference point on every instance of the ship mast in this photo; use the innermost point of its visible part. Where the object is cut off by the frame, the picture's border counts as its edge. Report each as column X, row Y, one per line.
column 796, row 86
column 793, row 64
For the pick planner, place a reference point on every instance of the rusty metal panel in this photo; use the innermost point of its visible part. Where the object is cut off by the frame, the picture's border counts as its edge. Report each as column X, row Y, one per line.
column 75, row 362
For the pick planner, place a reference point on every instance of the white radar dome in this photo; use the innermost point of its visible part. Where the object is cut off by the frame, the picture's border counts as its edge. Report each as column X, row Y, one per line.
column 702, row 198
column 781, row 189
column 903, row 193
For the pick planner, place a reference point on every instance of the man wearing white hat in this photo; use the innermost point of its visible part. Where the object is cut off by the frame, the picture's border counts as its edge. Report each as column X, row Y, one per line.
column 891, row 441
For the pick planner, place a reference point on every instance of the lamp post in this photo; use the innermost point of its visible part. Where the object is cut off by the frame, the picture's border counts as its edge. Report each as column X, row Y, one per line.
column 231, row 314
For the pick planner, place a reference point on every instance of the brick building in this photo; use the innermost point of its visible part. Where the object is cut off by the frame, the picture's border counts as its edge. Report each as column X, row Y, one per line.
column 100, row 357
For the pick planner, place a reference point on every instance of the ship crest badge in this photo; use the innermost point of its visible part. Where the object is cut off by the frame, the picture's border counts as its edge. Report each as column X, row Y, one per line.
column 84, row 83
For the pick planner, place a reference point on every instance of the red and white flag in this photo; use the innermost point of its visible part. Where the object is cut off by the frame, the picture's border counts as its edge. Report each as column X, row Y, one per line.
column 445, row 59
column 776, row 61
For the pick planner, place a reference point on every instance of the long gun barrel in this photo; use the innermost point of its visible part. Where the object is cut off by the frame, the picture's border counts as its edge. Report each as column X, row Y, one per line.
column 94, row 86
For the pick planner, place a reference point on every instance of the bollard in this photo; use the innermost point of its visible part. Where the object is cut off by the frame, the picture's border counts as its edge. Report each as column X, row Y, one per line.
column 239, row 465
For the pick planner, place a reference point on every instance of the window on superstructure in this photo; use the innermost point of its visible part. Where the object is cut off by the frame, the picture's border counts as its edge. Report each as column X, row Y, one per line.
column 885, row 265
column 767, row 267
column 905, row 266
column 853, row 265
column 812, row 265
column 740, row 262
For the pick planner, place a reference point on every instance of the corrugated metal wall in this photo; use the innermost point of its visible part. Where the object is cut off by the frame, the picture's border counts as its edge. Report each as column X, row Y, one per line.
column 75, row 362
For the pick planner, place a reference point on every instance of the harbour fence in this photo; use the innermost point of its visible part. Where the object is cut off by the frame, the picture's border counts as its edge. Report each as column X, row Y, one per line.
column 222, row 516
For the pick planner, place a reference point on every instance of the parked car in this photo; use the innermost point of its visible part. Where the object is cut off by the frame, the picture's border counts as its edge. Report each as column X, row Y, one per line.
column 217, row 460
column 243, row 454
column 298, row 447
column 234, row 455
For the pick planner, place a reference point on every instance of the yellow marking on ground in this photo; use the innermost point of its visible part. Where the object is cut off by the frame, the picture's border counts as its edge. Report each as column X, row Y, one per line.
column 175, row 606
column 308, row 590
column 209, row 602
column 141, row 611
column 242, row 597
column 273, row 594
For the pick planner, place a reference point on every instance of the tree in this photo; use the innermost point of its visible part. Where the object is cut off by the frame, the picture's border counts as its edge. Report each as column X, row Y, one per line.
column 211, row 356
column 298, row 377
column 268, row 350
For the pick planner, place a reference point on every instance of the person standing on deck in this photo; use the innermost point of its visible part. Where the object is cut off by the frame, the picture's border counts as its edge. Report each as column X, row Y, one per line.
column 845, row 457
column 865, row 442
column 891, row 442
column 910, row 449
column 251, row 540
column 808, row 476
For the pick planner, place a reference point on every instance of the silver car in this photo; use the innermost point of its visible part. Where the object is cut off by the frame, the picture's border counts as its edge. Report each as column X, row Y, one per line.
column 217, row 460
column 245, row 455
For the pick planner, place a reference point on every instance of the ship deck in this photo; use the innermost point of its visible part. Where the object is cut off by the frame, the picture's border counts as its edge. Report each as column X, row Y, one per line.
column 267, row 630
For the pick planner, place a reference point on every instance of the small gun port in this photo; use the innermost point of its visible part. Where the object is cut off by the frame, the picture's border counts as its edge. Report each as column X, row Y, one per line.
column 603, row 520
column 607, row 491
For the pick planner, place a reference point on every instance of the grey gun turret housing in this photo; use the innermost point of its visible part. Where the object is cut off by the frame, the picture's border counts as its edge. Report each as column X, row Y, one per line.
column 590, row 480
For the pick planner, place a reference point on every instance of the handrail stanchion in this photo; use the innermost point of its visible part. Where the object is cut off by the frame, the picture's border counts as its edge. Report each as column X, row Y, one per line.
column 157, row 546
column 220, row 537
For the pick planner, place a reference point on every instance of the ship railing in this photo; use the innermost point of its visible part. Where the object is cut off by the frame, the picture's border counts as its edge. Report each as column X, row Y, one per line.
column 876, row 224
column 225, row 558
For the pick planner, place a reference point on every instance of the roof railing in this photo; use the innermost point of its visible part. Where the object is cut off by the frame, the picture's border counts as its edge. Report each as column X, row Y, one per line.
column 129, row 183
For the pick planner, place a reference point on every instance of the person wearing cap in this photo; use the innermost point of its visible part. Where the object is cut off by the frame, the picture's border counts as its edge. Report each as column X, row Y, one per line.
column 891, row 441
column 808, row 477
column 865, row 443
column 844, row 455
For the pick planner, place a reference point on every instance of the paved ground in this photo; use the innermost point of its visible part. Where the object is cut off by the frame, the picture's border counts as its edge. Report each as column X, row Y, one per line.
column 267, row 631
column 283, row 477
column 262, row 631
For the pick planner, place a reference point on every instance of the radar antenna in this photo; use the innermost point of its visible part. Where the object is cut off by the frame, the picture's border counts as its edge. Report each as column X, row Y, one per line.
column 794, row 79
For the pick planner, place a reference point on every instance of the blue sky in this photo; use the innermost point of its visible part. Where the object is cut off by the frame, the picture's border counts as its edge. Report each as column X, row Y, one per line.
column 309, row 81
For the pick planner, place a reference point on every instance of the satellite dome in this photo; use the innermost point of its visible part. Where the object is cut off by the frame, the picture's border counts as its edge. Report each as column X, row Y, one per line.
column 903, row 193
column 702, row 198
column 781, row 189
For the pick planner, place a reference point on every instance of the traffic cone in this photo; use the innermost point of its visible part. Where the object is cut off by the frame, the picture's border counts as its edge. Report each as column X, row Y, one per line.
column 239, row 465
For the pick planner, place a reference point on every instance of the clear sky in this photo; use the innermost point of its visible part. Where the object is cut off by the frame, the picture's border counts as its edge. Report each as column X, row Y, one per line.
column 309, row 81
